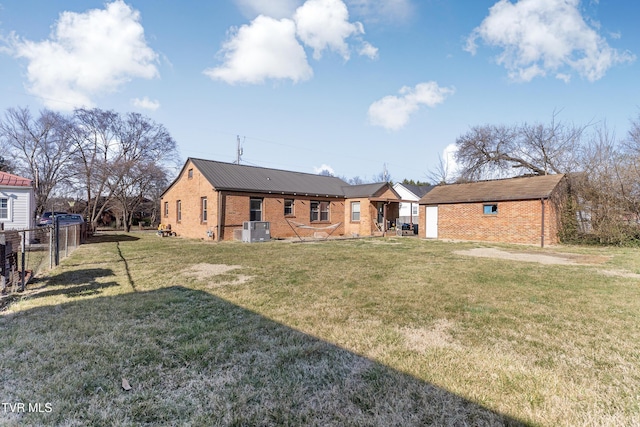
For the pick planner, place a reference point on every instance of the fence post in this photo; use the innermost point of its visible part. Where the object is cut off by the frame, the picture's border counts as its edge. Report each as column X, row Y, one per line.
column 66, row 241
column 3, row 259
column 56, row 240
column 50, row 246
column 24, row 247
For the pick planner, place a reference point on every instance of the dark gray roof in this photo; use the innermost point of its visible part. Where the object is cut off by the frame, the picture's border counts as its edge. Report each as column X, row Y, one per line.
column 521, row 188
column 232, row 177
column 363, row 190
column 418, row 190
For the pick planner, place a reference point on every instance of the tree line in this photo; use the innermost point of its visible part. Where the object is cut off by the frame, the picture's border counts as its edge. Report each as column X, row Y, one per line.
column 113, row 160
column 603, row 171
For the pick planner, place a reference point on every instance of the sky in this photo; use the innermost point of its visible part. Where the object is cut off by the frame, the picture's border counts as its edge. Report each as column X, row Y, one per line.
column 349, row 86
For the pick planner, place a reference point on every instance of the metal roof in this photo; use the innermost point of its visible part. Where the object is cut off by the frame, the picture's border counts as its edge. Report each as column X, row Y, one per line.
column 418, row 190
column 232, row 177
column 521, row 188
column 363, row 190
column 14, row 180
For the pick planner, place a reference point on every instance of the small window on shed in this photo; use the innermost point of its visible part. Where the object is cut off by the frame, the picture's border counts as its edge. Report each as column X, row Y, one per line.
column 491, row 209
column 190, row 173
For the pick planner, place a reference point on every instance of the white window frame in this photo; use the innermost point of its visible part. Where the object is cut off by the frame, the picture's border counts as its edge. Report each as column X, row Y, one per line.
column 253, row 213
column 290, row 203
column 8, row 209
column 205, row 213
column 353, row 211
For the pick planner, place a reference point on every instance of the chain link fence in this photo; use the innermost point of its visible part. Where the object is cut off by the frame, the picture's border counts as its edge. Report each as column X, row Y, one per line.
column 27, row 253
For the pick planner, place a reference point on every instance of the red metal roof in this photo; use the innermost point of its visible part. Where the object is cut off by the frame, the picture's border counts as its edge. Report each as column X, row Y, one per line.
column 8, row 179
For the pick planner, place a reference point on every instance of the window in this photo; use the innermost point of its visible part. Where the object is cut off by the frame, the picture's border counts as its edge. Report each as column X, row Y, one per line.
column 190, row 173
column 414, row 209
column 255, row 210
column 166, row 209
column 319, row 211
column 204, row 209
column 179, row 210
column 4, row 208
column 355, row 211
column 490, row 209
column 288, row 207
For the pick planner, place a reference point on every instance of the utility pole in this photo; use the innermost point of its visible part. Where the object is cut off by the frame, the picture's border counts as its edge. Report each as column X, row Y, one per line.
column 238, row 151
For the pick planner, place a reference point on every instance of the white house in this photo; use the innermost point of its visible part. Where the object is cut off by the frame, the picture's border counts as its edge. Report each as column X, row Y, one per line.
column 411, row 194
column 17, row 202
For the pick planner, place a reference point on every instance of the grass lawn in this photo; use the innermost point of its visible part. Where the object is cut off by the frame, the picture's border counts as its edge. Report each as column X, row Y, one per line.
column 389, row 331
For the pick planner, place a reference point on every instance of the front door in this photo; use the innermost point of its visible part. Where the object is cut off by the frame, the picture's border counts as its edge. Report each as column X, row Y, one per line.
column 432, row 222
column 381, row 216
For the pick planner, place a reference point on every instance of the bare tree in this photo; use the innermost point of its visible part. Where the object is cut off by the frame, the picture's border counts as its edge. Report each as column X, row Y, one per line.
column 94, row 135
column 119, row 159
column 41, row 147
column 5, row 165
column 142, row 180
column 441, row 173
column 498, row 151
column 144, row 149
column 600, row 191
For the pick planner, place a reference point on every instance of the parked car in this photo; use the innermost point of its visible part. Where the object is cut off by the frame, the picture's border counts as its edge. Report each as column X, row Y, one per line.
column 70, row 219
column 47, row 218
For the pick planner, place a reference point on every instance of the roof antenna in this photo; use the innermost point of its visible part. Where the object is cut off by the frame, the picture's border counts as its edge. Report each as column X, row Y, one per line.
column 239, row 150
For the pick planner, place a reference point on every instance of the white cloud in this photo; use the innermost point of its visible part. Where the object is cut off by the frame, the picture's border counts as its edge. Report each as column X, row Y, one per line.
column 540, row 37
column 146, row 103
column 368, row 50
column 87, row 54
column 273, row 8
column 393, row 112
column 265, row 49
column 324, row 24
column 324, row 168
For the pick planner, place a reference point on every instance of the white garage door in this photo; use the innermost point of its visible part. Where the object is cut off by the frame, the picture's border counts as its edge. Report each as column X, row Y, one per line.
column 432, row 222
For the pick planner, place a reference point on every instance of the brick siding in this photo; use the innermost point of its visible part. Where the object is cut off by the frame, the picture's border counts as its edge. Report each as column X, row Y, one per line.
column 191, row 187
column 515, row 222
column 236, row 211
column 190, row 191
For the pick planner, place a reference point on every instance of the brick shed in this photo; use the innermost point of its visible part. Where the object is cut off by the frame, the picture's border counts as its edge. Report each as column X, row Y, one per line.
column 210, row 200
column 514, row 210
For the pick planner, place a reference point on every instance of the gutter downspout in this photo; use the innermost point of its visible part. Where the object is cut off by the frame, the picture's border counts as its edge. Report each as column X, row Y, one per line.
column 220, row 207
column 542, row 225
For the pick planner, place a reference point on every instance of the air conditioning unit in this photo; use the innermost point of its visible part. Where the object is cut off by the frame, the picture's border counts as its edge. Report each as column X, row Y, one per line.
column 255, row 231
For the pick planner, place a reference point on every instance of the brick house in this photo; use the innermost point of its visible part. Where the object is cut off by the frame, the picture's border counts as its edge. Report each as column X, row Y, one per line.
column 514, row 210
column 210, row 199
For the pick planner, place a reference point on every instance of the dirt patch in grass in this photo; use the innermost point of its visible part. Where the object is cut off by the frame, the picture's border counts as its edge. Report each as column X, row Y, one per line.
column 619, row 273
column 206, row 272
column 546, row 258
column 423, row 339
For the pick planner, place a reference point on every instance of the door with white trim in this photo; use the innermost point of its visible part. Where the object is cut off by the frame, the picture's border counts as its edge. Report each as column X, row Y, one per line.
column 432, row 222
